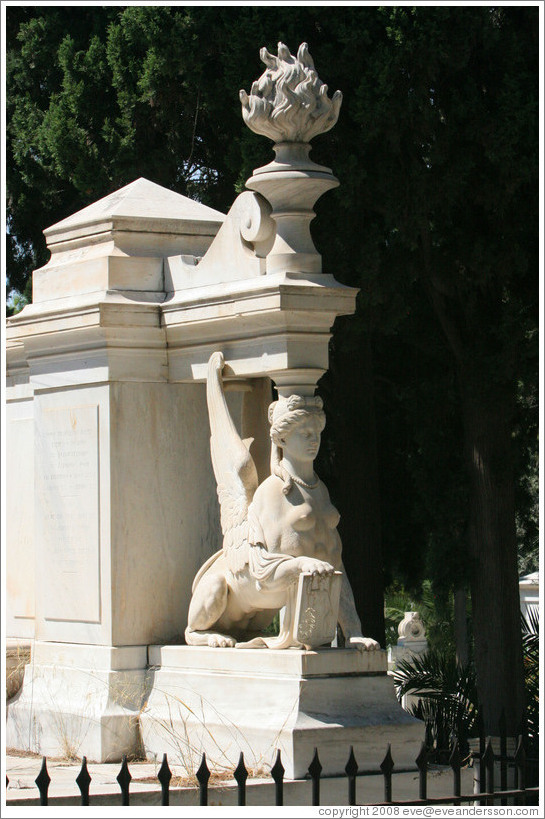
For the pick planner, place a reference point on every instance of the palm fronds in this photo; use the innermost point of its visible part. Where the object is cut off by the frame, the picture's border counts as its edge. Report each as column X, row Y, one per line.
column 447, row 694
column 530, row 645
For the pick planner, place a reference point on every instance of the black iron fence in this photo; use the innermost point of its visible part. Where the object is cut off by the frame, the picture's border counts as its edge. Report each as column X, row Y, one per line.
column 485, row 793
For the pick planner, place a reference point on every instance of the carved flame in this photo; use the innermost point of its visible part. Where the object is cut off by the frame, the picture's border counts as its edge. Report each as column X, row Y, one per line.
column 289, row 102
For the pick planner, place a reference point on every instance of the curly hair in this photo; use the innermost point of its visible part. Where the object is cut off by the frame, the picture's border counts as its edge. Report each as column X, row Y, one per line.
column 284, row 416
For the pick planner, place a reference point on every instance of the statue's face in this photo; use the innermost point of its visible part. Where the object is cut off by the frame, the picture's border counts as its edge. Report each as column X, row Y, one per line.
column 303, row 441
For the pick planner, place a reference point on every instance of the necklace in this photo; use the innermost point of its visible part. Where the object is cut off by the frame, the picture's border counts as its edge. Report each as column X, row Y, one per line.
column 303, row 483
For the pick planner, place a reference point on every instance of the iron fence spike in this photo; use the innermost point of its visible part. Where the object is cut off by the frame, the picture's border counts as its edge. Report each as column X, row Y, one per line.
column 278, row 770
column 277, row 773
column 387, row 764
column 164, row 776
column 42, row 781
column 124, row 779
column 315, row 767
column 241, row 775
column 203, row 775
column 83, row 780
column 351, row 767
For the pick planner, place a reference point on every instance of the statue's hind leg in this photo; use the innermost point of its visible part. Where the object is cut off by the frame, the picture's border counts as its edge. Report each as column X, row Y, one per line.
column 207, row 605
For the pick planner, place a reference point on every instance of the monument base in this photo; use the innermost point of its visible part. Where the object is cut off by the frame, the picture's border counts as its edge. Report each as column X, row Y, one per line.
column 225, row 700
column 79, row 700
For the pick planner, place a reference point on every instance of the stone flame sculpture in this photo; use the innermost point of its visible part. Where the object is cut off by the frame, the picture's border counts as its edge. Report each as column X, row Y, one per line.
column 272, row 534
column 289, row 104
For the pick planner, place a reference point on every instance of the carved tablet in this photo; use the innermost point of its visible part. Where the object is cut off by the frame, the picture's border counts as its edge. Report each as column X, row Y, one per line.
column 317, row 609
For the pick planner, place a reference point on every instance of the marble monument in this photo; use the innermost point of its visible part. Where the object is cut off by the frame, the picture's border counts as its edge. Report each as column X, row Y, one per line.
column 153, row 313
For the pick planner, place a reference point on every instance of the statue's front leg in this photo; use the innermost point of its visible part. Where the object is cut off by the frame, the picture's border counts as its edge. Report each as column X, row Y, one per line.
column 350, row 622
column 207, row 605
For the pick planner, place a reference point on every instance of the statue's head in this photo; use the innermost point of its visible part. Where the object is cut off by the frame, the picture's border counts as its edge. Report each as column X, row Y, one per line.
column 288, row 413
column 287, row 417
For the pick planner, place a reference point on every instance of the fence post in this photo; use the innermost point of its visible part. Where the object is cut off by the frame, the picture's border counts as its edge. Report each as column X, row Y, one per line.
column 422, row 765
column 277, row 773
column 479, row 784
column 387, row 766
column 503, row 755
column 83, row 780
column 488, row 760
column 164, row 776
column 520, row 763
column 42, row 781
column 241, row 775
column 455, row 764
column 203, row 775
column 351, row 769
column 124, row 780
column 315, row 769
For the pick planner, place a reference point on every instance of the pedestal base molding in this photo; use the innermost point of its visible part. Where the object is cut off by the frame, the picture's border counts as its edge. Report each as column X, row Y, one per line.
column 224, row 701
column 79, row 700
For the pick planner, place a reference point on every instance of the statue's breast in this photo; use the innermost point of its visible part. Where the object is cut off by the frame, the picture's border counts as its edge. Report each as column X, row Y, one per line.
column 303, row 518
column 331, row 516
column 317, row 516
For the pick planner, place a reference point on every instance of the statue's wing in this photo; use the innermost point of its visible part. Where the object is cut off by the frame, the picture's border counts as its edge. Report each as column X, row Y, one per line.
column 234, row 468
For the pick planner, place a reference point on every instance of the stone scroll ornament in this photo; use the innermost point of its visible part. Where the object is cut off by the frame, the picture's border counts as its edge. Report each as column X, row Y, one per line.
column 290, row 105
column 281, row 547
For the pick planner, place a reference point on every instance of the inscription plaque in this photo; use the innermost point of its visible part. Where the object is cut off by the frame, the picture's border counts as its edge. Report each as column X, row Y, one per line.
column 69, row 499
column 20, row 521
column 317, row 609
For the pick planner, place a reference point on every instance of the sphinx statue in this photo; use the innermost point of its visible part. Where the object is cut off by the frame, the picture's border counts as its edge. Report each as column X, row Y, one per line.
column 272, row 533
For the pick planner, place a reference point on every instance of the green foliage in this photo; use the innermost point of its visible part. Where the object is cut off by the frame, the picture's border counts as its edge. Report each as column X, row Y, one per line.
column 396, row 602
column 530, row 643
column 449, row 701
column 436, row 612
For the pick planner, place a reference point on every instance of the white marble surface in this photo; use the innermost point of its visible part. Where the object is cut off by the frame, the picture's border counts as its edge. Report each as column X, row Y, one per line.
column 233, row 700
column 289, row 102
column 17, row 657
column 72, row 515
column 411, row 628
column 79, row 700
column 119, row 538
column 317, row 609
column 290, row 105
column 20, row 559
column 293, row 663
column 274, row 532
column 120, row 241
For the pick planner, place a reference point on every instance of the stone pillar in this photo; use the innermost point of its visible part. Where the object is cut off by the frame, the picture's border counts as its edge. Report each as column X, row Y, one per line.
column 109, row 460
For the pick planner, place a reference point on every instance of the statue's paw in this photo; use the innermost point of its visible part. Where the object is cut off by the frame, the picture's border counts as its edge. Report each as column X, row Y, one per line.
column 363, row 643
column 312, row 566
column 221, row 641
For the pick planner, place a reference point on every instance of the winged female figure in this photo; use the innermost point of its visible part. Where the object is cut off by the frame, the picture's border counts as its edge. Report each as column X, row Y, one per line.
column 272, row 532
